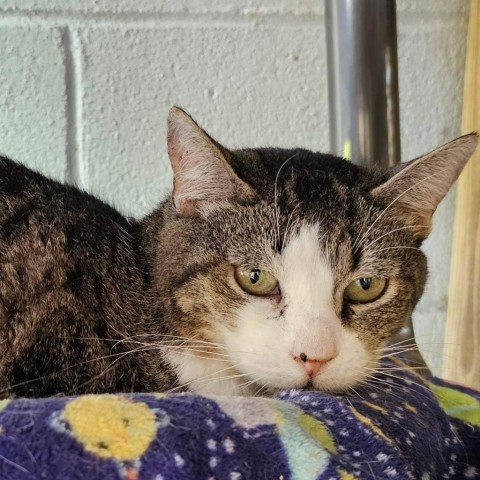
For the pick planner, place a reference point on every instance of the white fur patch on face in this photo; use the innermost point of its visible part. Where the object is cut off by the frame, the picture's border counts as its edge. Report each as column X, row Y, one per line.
column 209, row 376
column 269, row 335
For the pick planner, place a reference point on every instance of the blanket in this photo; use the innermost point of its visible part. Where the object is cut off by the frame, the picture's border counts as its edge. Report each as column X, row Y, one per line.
column 400, row 426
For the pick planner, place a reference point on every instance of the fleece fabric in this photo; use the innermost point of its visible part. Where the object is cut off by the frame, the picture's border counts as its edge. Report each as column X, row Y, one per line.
column 399, row 427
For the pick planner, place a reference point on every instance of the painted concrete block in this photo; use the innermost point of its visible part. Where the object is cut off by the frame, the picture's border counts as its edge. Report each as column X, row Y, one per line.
column 248, row 87
column 428, row 8
column 431, row 64
column 243, row 7
column 432, row 8
column 32, row 98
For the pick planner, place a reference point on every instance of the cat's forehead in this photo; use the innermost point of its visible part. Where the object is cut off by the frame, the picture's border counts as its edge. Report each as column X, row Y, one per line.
column 275, row 219
column 303, row 170
column 307, row 185
column 261, row 234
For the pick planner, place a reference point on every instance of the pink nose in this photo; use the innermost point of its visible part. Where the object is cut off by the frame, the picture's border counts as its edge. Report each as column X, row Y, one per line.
column 312, row 365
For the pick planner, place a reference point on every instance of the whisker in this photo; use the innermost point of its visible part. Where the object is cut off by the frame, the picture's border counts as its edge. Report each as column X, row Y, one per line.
column 390, row 232
column 262, row 388
column 37, row 379
column 162, row 342
column 277, row 209
column 357, row 241
column 380, row 385
column 391, row 375
column 190, row 353
column 101, row 374
column 402, row 247
column 286, row 234
column 208, row 377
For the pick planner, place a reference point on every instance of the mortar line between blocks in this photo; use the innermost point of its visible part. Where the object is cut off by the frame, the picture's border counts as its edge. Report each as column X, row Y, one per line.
column 158, row 19
column 72, row 61
column 153, row 19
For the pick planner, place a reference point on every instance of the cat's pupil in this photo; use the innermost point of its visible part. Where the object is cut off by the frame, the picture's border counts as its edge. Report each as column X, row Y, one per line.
column 365, row 283
column 254, row 275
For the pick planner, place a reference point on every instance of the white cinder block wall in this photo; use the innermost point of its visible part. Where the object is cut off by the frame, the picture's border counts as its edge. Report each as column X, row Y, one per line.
column 85, row 87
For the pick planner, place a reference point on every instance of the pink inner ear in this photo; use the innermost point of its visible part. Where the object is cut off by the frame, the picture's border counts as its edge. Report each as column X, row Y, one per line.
column 185, row 207
column 201, row 172
column 200, row 176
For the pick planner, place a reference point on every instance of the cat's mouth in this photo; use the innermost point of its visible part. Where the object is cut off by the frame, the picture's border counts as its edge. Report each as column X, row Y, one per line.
column 309, row 386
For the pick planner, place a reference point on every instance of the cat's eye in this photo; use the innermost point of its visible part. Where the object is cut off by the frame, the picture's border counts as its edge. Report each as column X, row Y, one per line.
column 256, row 282
column 364, row 290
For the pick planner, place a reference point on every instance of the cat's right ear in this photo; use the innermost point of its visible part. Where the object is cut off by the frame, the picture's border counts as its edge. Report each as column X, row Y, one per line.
column 202, row 175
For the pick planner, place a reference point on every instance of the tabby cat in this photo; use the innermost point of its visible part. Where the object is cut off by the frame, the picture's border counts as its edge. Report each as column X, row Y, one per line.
column 265, row 269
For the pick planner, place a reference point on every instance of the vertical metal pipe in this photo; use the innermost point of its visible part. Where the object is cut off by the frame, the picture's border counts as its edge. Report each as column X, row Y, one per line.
column 363, row 91
column 363, row 81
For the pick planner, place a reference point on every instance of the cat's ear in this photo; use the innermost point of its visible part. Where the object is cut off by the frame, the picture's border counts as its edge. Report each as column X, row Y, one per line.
column 414, row 189
column 202, row 174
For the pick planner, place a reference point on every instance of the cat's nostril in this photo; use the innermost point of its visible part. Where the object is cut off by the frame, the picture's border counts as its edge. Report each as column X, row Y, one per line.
column 311, row 365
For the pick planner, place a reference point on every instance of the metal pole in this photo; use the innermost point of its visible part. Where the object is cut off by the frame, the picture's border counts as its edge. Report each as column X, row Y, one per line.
column 363, row 91
column 363, row 81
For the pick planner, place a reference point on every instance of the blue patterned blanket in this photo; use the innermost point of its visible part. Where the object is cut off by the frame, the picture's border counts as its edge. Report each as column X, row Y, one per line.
column 402, row 428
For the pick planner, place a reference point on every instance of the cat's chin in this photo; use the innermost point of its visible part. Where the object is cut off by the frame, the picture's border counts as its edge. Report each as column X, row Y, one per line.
column 309, row 386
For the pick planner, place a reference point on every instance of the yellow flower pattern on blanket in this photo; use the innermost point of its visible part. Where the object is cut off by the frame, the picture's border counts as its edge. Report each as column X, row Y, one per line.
column 111, row 426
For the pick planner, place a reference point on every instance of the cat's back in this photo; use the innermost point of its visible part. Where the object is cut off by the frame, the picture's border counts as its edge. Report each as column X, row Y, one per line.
column 25, row 193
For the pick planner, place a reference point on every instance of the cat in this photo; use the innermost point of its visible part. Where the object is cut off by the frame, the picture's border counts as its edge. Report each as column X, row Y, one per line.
column 265, row 269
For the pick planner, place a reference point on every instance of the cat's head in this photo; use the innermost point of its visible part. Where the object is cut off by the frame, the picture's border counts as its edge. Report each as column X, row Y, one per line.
column 285, row 268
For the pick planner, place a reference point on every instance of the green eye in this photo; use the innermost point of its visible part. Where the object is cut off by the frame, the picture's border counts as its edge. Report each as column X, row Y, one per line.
column 365, row 290
column 256, row 282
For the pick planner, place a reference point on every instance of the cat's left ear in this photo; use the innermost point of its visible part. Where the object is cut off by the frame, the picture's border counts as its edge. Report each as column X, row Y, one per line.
column 414, row 189
column 202, row 175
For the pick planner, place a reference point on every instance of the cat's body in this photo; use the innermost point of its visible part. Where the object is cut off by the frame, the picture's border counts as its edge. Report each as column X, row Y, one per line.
column 93, row 302
column 74, row 279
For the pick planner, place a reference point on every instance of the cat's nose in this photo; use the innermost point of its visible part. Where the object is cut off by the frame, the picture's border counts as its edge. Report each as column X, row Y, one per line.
column 311, row 365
